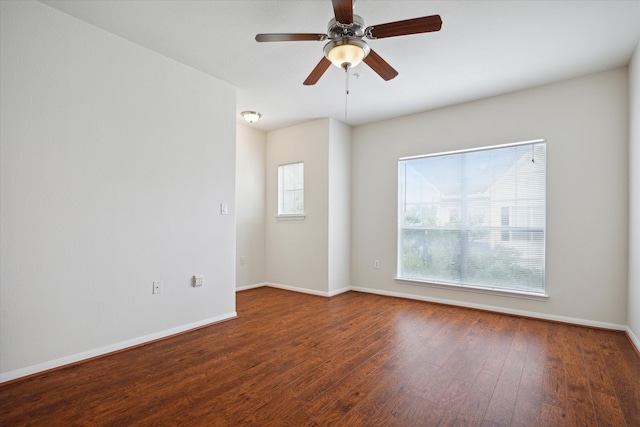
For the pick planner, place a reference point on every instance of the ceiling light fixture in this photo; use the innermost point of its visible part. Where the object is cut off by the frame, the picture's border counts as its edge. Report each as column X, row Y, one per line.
column 346, row 52
column 251, row 116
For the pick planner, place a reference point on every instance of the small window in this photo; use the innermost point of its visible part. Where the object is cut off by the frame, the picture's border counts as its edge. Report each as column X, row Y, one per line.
column 291, row 189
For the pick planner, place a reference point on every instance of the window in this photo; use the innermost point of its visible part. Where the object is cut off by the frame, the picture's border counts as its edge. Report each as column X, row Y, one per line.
column 474, row 218
column 291, row 189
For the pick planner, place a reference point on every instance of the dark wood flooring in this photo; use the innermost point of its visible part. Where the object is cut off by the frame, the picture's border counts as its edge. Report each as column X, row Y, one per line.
column 355, row 359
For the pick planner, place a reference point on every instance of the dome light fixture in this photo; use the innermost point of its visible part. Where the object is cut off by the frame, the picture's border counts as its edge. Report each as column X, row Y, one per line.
column 346, row 52
column 251, row 116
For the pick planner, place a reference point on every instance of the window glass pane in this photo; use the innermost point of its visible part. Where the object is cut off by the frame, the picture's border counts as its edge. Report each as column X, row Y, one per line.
column 474, row 217
column 431, row 254
column 291, row 189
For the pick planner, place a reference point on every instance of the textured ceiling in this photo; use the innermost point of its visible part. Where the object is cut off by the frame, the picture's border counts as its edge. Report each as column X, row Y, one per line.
column 485, row 48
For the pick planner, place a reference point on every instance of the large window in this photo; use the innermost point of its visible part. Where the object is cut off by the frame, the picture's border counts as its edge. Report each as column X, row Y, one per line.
column 474, row 218
column 291, row 189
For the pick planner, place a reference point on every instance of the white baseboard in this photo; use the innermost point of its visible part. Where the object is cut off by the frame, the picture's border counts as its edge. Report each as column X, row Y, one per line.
column 296, row 289
column 41, row 367
column 532, row 314
column 247, row 287
column 78, row 357
column 544, row 316
column 634, row 339
column 339, row 291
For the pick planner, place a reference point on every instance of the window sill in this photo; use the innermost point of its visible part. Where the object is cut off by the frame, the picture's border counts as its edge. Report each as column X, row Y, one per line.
column 295, row 217
column 476, row 289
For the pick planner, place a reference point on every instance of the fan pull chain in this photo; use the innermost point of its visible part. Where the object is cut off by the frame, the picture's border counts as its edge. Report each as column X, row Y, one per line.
column 346, row 90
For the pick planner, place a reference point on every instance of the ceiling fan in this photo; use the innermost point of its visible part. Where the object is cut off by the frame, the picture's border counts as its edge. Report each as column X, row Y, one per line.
column 347, row 48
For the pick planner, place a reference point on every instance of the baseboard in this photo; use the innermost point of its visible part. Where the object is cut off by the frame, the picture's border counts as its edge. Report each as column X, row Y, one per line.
column 523, row 313
column 296, row 289
column 543, row 316
column 572, row 320
column 634, row 340
column 79, row 357
column 339, row 291
column 102, row 351
column 247, row 287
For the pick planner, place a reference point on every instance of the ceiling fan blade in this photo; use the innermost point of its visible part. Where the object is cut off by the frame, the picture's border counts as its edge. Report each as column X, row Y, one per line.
column 426, row 24
column 343, row 9
column 290, row 37
column 317, row 72
column 380, row 66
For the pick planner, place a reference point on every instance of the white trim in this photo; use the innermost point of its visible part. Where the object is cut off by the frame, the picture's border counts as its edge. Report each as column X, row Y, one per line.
column 296, row 289
column 468, row 150
column 532, row 314
column 634, row 339
column 78, row 357
column 476, row 289
column 247, row 287
column 339, row 291
column 544, row 316
column 290, row 217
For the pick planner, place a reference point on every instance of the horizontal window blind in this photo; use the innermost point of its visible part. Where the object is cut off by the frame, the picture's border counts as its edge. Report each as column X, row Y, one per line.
column 475, row 217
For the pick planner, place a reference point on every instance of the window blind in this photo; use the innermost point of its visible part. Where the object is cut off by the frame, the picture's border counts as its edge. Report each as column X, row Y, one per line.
column 475, row 217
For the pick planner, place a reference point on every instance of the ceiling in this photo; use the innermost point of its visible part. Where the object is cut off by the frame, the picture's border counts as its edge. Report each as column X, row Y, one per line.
column 485, row 48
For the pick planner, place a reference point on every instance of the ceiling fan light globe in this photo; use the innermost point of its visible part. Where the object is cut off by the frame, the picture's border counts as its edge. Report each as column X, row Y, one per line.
column 346, row 52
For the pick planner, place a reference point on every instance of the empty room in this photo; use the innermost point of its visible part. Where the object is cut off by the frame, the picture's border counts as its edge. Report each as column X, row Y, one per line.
column 322, row 212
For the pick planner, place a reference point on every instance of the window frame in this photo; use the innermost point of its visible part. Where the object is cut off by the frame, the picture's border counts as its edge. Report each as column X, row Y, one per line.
column 298, row 186
column 475, row 287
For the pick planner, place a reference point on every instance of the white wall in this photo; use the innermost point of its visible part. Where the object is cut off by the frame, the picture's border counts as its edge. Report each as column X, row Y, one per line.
column 297, row 251
column 634, row 198
column 114, row 162
column 250, row 204
column 312, row 255
column 585, row 123
column 339, row 205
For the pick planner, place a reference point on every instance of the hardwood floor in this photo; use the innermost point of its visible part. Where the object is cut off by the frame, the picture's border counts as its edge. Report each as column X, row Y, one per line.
column 355, row 359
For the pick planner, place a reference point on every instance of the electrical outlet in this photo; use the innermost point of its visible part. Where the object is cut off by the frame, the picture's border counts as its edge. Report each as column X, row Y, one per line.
column 242, row 260
column 376, row 264
column 198, row 281
column 157, row 287
column 224, row 209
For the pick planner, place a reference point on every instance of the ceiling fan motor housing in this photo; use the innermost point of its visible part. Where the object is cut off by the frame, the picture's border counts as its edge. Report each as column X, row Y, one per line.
column 337, row 29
